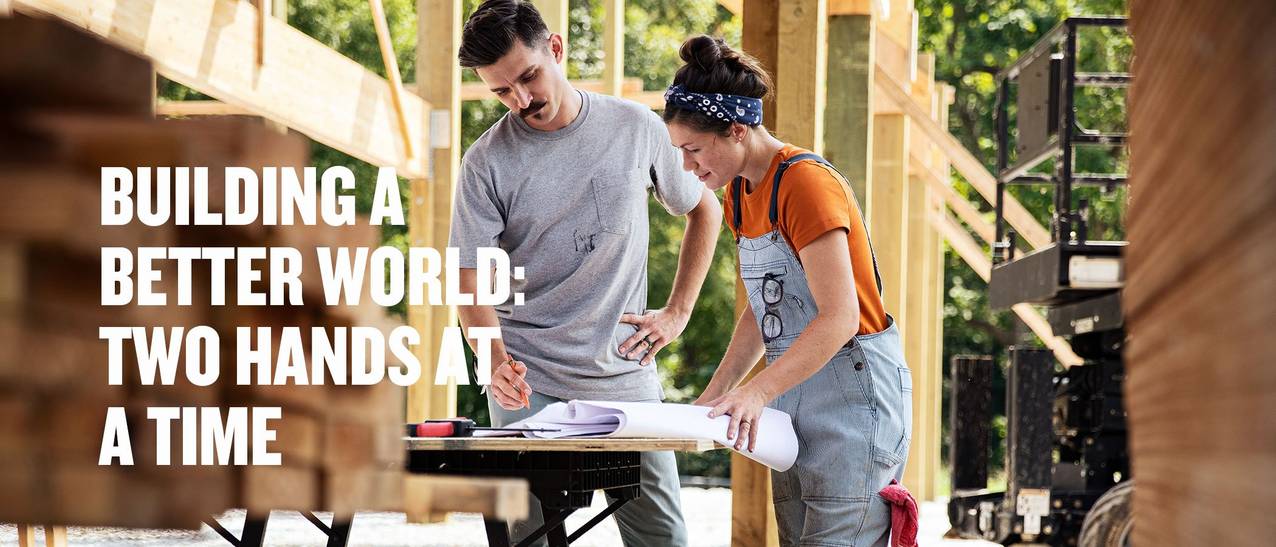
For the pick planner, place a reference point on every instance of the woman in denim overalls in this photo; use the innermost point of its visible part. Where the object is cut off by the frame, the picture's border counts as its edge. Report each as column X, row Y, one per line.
column 849, row 395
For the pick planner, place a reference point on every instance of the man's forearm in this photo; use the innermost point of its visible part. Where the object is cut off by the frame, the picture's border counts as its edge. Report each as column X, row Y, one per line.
column 696, row 252
column 479, row 316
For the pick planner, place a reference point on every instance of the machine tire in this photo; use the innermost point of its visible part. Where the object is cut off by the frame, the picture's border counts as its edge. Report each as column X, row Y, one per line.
column 1110, row 521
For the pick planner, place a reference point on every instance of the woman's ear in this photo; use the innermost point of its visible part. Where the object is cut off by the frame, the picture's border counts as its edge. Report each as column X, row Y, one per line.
column 738, row 132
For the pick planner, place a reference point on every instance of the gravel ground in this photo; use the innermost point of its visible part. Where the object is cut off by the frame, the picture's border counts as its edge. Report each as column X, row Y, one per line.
column 708, row 514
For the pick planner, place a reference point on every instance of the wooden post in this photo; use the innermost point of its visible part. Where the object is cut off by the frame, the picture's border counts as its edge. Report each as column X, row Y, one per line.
column 802, row 65
column 916, row 324
column 430, row 202
column 555, row 13
column 752, row 513
column 391, row 73
column 430, row 210
column 847, row 119
column 614, row 47
column 888, row 189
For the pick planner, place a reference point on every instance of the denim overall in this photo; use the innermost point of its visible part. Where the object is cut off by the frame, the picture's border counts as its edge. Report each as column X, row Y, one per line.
column 853, row 418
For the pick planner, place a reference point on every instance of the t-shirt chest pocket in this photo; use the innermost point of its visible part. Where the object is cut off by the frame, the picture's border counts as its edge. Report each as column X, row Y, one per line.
column 619, row 196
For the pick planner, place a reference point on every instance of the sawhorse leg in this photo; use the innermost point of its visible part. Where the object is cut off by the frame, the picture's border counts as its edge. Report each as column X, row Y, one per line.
column 338, row 534
column 498, row 533
column 254, row 530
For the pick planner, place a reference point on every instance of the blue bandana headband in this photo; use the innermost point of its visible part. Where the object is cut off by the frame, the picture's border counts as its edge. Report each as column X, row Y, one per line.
column 720, row 106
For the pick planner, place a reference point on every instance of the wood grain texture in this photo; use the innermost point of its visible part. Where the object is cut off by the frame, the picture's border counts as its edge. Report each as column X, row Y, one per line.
column 1201, row 386
column 209, row 46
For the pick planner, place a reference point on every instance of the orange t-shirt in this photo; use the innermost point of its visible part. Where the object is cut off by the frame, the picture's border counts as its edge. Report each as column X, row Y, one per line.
column 813, row 200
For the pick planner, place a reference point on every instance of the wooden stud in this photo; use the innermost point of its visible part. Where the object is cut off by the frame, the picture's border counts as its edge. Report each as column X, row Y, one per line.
column 329, row 98
column 391, row 72
column 500, row 499
column 848, row 120
column 752, row 512
column 960, row 205
column 263, row 13
column 851, row 7
column 965, row 162
column 802, row 64
column 430, row 209
column 736, row 7
column 887, row 207
column 915, row 325
column 556, row 14
column 613, row 47
column 978, row 259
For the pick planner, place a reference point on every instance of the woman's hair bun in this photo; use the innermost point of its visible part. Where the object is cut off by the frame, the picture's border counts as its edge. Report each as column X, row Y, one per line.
column 703, row 52
column 712, row 66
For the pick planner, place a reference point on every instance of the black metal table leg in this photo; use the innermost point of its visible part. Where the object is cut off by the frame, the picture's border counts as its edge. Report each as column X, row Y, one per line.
column 254, row 530
column 339, row 534
column 498, row 533
column 552, row 529
column 597, row 519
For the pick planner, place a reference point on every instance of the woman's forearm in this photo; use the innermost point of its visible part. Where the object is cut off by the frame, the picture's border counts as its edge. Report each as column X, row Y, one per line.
column 744, row 351
column 817, row 344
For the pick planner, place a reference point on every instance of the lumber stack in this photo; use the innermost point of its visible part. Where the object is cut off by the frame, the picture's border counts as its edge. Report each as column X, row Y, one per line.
column 71, row 104
column 1201, row 385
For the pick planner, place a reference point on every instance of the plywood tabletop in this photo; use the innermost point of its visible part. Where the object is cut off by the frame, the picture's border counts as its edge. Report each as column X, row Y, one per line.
column 548, row 445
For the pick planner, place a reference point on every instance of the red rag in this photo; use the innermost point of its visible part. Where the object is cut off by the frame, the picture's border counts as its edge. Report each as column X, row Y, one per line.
column 903, row 514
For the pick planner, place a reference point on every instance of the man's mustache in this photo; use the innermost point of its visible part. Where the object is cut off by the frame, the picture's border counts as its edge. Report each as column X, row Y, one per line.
column 531, row 109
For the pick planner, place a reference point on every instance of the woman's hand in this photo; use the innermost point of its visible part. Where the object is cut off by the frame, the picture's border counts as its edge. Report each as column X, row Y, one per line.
column 656, row 329
column 744, row 404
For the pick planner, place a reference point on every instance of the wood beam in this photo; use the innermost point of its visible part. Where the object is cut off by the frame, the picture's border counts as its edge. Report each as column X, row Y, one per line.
column 752, row 512
column 977, row 259
column 851, row 7
column 496, row 499
column 965, row 162
column 391, row 72
column 207, row 45
column 848, row 120
column 430, row 209
column 556, row 15
column 948, row 196
column 614, row 47
column 802, row 65
column 736, row 7
column 887, row 207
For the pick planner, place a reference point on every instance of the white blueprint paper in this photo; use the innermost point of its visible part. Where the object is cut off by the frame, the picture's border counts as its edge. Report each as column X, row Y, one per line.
column 777, row 444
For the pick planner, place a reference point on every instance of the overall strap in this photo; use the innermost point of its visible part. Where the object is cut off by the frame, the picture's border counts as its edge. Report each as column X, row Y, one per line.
column 775, row 199
column 735, row 206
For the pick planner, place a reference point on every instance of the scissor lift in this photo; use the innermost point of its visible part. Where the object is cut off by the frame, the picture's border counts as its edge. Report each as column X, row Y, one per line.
column 1068, row 475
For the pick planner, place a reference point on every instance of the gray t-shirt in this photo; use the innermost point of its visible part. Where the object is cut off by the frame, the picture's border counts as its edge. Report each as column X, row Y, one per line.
column 570, row 207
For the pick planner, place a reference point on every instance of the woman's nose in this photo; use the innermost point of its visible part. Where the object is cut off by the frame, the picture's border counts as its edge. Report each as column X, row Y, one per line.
column 688, row 164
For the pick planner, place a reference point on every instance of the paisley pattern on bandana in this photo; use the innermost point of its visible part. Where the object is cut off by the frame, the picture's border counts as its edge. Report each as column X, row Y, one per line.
column 729, row 108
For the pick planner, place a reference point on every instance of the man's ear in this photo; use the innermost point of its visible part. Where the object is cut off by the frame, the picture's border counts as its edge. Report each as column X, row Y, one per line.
column 556, row 47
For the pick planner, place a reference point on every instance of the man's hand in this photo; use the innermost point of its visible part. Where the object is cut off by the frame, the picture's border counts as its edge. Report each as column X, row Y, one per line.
column 509, row 385
column 656, row 329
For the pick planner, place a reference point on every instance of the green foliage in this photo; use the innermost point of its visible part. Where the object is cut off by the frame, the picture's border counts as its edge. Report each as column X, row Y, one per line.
column 972, row 40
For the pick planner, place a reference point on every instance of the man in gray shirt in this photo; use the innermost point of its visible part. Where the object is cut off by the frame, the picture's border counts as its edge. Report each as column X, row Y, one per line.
column 561, row 183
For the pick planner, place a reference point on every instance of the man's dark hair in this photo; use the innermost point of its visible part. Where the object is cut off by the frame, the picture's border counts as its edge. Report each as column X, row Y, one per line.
column 490, row 31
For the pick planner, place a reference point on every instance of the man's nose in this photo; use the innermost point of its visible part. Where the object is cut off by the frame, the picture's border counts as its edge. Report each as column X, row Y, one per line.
column 522, row 97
